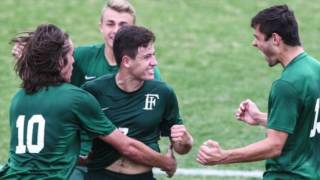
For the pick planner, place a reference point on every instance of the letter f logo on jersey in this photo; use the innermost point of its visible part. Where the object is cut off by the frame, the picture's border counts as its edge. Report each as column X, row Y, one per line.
column 150, row 102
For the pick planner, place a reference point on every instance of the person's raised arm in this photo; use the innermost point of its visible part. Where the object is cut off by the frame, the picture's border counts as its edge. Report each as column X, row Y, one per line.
column 211, row 153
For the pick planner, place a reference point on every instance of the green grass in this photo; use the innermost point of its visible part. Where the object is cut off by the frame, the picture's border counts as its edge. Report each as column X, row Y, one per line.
column 203, row 178
column 203, row 48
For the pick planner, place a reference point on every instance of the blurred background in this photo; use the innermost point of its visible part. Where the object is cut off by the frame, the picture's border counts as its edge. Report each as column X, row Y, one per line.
column 204, row 52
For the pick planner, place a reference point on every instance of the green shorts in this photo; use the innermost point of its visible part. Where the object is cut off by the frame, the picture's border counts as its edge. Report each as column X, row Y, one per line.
column 109, row 175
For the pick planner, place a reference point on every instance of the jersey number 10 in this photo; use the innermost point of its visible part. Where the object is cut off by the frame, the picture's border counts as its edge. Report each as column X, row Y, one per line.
column 316, row 124
column 32, row 148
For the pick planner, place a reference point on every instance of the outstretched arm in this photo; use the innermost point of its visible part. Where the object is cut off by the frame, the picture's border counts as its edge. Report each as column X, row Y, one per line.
column 139, row 152
column 249, row 112
column 211, row 153
column 181, row 139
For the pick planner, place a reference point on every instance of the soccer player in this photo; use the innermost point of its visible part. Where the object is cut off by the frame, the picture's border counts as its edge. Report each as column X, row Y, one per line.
column 141, row 107
column 292, row 142
column 48, row 112
column 92, row 61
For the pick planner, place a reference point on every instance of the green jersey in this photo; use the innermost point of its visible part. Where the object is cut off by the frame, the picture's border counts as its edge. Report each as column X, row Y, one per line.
column 90, row 63
column 45, row 131
column 294, row 108
column 143, row 115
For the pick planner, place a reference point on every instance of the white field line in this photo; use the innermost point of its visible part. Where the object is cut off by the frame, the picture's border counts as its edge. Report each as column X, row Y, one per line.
column 210, row 172
column 213, row 172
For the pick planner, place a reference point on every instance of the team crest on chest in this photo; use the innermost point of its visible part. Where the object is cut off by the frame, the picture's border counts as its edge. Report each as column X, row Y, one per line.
column 150, row 101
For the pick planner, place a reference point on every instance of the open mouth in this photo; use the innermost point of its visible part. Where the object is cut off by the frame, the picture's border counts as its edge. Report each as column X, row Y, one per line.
column 151, row 71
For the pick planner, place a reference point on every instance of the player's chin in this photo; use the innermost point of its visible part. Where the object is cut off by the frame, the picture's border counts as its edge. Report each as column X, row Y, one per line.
column 110, row 42
column 149, row 76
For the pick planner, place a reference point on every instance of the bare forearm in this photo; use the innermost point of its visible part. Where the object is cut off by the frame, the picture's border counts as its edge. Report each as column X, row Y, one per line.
column 140, row 153
column 254, row 152
column 211, row 153
column 268, row 148
column 137, row 151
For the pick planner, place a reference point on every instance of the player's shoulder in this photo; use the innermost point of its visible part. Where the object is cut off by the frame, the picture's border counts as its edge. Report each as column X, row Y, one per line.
column 75, row 95
column 67, row 87
column 99, row 83
column 89, row 47
column 19, row 93
column 159, row 85
column 301, row 71
column 87, row 51
column 302, row 65
column 71, row 93
column 100, row 80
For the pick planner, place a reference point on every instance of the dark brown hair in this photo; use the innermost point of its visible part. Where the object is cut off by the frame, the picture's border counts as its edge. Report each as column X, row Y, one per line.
column 128, row 39
column 43, row 57
column 278, row 19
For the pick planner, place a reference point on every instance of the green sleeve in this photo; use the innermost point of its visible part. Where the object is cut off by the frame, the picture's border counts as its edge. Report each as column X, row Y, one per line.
column 283, row 107
column 92, row 119
column 172, row 115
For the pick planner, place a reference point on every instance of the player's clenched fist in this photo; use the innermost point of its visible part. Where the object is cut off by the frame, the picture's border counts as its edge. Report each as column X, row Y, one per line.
column 210, row 153
column 179, row 134
column 181, row 139
column 249, row 112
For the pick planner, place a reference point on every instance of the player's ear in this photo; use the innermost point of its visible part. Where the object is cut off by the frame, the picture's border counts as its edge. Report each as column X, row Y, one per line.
column 276, row 38
column 62, row 63
column 126, row 61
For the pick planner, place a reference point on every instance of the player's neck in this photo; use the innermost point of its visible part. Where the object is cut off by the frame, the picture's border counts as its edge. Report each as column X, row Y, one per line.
column 109, row 56
column 127, row 83
column 289, row 53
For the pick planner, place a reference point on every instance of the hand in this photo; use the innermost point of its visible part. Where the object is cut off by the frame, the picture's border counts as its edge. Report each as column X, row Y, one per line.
column 210, row 153
column 172, row 167
column 17, row 49
column 180, row 135
column 247, row 112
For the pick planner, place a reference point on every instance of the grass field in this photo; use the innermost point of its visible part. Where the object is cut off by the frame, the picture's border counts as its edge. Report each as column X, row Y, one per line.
column 203, row 48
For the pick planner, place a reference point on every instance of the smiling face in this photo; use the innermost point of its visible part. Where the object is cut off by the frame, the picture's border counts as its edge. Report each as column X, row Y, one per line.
column 267, row 47
column 111, row 21
column 142, row 66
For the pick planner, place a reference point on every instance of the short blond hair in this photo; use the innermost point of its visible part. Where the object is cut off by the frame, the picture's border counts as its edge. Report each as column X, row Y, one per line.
column 119, row 6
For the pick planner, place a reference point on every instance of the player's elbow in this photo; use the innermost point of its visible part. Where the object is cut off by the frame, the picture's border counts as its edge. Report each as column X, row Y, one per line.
column 275, row 141
column 276, row 149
